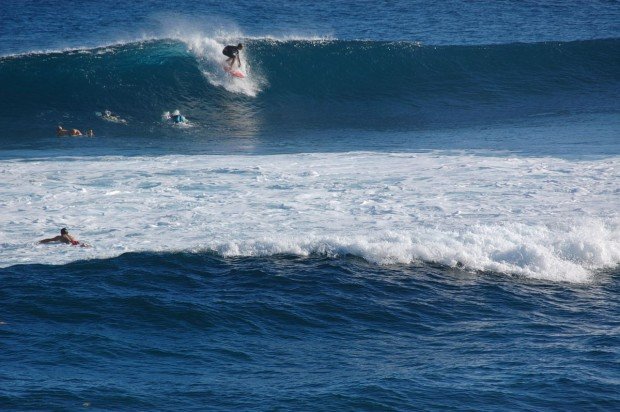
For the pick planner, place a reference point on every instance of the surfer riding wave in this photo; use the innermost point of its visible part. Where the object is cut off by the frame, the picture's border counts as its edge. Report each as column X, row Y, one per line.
column 232, row 52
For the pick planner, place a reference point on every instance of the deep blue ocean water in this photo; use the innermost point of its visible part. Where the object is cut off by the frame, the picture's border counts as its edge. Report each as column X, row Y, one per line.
column 405, row 205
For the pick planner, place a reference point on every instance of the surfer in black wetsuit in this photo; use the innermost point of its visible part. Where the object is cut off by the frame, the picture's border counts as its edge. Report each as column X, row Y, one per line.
column 232, row 52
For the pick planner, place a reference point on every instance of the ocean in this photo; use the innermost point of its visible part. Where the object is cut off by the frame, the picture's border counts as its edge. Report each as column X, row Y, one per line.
column 404, row 205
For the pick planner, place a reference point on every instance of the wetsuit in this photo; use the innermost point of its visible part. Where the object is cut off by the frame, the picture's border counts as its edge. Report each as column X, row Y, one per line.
column 230, row 51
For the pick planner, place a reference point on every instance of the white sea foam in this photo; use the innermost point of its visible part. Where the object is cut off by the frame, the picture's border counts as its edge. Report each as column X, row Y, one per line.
column 538, row 217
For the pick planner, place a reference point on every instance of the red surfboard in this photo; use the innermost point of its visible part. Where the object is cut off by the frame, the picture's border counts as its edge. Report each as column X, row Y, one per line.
column 234, row 72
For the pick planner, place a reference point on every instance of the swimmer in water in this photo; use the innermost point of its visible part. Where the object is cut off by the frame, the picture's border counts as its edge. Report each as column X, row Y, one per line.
column 64, row 237
column 64, row 132
column 177, row 117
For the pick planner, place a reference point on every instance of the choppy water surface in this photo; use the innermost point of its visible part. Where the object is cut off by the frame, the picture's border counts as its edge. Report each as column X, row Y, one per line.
column 403, row 206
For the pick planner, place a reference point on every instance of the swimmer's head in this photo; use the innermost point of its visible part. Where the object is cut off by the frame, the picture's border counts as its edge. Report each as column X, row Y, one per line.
column 240, row 46
column 64, row 231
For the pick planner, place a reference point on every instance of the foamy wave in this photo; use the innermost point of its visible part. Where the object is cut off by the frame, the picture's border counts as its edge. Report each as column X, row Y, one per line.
column 537, row 217
column 532, row 251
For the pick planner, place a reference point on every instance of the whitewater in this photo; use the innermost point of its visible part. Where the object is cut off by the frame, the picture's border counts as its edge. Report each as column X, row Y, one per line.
column 539, row 217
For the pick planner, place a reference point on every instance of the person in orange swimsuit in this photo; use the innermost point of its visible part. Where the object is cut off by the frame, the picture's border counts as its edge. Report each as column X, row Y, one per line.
column 64, row 132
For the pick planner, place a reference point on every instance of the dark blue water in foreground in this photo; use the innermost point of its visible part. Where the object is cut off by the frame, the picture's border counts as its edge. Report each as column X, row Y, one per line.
column 195, row 332
column 180, row 331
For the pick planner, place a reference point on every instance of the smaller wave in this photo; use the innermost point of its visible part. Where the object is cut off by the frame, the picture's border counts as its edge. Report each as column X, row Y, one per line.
column 569, row 255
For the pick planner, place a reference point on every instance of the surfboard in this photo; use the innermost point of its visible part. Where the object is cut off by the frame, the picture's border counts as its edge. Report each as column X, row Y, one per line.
column 234, row 72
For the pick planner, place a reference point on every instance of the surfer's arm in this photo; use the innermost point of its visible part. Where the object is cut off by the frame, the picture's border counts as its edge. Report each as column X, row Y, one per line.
column 51, row 239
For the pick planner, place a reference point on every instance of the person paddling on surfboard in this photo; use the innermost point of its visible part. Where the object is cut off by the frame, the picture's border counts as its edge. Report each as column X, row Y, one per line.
column 232, row 52
column 64, row 132
column 64, row 237
column 177, row 117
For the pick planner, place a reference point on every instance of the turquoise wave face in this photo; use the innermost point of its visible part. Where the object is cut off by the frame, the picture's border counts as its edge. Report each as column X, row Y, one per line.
column 297, row 85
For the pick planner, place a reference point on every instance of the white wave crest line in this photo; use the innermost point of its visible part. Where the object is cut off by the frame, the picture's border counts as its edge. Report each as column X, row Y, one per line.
column 170, row 36
column 84, row 48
